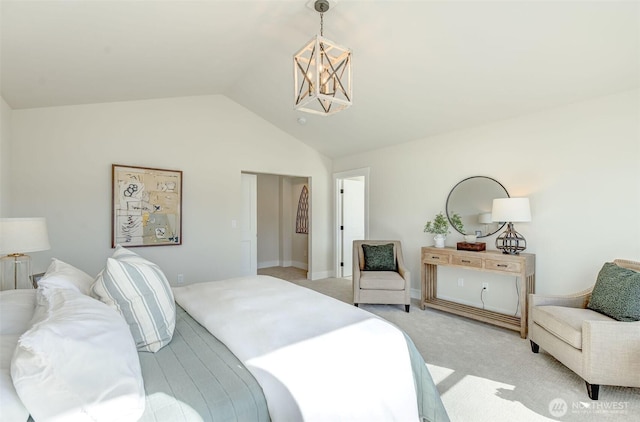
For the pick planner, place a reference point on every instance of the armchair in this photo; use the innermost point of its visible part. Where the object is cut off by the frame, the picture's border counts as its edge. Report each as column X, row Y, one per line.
column 376, row 286
column 598, row 348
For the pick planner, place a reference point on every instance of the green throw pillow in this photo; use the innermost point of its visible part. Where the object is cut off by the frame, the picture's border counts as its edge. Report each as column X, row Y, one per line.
column 617, row 293
column 379, row 257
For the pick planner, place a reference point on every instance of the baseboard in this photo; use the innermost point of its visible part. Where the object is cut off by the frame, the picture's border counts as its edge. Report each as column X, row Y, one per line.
column 268, row 264
column 301, row 265
column 416, row 294
column 296, row 264
column 321, row 274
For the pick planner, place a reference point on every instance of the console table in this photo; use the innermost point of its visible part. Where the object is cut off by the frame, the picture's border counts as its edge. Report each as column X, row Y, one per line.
column 522, row 266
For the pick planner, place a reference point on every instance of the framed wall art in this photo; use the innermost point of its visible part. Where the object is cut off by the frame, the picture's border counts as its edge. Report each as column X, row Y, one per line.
column 146, row 206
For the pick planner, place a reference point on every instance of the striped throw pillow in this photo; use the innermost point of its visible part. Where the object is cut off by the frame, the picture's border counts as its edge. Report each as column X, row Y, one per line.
column 140, row 292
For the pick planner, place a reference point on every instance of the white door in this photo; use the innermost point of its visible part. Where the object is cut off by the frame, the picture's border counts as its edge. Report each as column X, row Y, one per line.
column 248, row 225
column 352, row 219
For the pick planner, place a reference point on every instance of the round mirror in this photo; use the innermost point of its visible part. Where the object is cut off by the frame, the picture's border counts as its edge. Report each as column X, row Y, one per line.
column 472, row 200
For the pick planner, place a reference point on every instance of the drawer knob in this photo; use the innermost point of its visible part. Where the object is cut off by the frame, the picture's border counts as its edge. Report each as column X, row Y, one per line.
column 502, row 265
column 465, row 261
column 435, row 257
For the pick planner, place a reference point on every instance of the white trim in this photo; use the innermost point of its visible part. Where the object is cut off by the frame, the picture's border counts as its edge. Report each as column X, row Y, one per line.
column 416, row 294
column 321, row 275
column 268, row 264
column 300, row 265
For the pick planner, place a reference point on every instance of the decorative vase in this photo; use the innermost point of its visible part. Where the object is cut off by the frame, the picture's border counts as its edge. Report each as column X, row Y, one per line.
column 439, row 239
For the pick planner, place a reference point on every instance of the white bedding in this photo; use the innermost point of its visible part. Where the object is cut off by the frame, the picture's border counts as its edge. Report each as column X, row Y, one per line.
column 316, row 358
column 77, row 362
column 16, row 310
column 65, row 356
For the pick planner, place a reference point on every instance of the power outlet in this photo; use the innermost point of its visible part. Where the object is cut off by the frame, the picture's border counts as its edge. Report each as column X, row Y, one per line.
column 461, row 282
column 180, row 278
column 485, row 286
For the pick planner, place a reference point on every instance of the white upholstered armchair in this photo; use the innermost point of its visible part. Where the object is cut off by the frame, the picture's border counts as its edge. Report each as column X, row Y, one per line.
column 600, row 349
column 385, row 281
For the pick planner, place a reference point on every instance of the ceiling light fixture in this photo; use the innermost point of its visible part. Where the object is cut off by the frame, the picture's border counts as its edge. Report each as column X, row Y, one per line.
column 322, row 73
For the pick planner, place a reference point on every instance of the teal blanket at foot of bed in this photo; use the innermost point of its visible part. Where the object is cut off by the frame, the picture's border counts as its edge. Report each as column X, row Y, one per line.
column 196, row 378
column 430, row 407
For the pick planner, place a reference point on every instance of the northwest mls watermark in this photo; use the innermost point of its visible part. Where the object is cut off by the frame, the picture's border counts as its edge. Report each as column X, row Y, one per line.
column 558, row 407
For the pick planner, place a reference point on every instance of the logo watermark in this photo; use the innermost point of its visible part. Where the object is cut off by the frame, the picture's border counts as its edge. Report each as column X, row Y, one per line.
column 559, row 407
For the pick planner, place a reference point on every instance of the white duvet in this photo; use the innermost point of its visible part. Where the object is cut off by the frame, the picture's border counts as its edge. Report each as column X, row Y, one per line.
column 16, row 310
column 316, row 358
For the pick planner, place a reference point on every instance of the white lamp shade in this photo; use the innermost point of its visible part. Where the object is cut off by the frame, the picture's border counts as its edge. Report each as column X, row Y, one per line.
column 22, row 235
column 485, row 218
column 511, row 210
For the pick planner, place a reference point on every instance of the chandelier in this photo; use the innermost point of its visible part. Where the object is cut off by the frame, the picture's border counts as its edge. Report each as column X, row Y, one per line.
column 322, row 73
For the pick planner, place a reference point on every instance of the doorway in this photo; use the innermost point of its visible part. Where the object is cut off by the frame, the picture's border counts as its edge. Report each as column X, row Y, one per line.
column 279, row 242
column 352, row 216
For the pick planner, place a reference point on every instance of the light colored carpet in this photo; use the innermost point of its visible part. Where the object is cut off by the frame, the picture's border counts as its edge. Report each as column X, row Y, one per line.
column 486, row 373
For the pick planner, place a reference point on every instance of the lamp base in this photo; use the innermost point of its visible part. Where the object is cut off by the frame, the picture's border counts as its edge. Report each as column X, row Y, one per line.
column 15, row 272
column 510, row 241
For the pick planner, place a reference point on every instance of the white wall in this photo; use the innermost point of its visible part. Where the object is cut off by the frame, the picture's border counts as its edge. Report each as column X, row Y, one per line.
column 5, row 157
column 62, row 160
column 578, row 165
column 286, row 215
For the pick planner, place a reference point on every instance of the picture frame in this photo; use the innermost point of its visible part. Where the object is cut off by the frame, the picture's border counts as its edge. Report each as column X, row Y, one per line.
column 35, row 278
column 146, row 206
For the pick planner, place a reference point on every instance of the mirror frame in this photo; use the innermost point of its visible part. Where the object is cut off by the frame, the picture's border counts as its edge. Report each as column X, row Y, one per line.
column 500, row 226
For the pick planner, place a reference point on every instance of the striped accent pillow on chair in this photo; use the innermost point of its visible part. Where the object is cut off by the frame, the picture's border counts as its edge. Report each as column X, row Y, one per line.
column 140, row 292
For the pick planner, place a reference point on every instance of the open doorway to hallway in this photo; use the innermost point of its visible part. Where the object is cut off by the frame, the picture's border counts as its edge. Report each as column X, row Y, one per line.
column 282, row 206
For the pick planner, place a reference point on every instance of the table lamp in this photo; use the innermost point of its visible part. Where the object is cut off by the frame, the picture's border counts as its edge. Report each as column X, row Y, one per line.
column 17, row 237
column 485, row 219
column 511, row 210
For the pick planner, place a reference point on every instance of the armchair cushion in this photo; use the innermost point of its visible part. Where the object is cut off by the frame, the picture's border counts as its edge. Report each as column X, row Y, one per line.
column 379, row 257
column 617, row 293
column 381, row 280
column 564, row 322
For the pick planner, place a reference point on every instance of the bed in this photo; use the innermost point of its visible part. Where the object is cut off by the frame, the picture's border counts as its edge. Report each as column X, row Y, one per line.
column 196, row 377
column 210, row 371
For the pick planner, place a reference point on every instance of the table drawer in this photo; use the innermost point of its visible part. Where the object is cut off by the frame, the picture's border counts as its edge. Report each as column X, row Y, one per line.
column 512, row 267
column 436, row 258
column 466, row 261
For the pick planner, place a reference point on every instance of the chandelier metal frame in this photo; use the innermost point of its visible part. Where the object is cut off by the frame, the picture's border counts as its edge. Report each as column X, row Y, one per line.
column 322, row 73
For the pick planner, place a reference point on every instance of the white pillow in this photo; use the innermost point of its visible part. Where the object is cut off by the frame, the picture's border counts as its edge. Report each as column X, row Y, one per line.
column 64, row 276
column 139, row 290
column 78, row 362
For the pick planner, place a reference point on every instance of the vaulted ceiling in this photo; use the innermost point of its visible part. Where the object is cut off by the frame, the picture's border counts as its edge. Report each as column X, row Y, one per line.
column 420, row 68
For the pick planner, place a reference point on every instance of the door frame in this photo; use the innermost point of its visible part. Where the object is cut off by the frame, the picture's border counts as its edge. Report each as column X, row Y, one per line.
column 337, row 178
column 255, row 209
column 248, row 234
